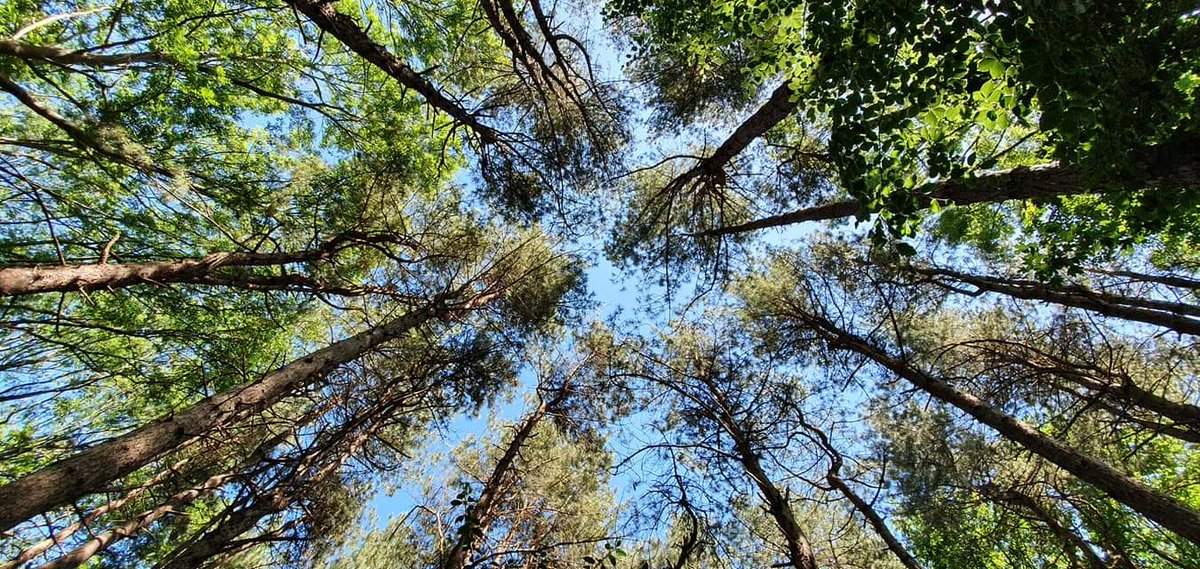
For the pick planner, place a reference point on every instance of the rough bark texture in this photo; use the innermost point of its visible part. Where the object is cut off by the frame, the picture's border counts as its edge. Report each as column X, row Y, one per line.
column 1159, row 313
column 18, row 281
column 1171, row 166
column 74, row 57
column 777, row 108
column 1070, row 539
column 309, row 469
column 1164, row 510
column 799, row 550
column 88, row 471
column 1115, row 387
column 345, row 29
column 482, row 513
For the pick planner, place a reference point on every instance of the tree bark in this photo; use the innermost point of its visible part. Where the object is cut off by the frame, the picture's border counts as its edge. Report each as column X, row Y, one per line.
column 799, row 550
column 876, row 521
column 777, row 108
column 75, row 57
column 1066, row 535
column 19, row 281
column 1170, row 315
column 481, row 513
column 1118, row 388
column 86, row 472
column 181, row 500
column 31, row 552
column 836, row 461
column 307, row 470
column 1166, row 166
column 141, row 522
column 346, row 30
column 1164, row 510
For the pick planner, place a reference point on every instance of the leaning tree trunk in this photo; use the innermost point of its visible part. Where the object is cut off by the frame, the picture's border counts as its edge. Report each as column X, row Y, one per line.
column 799, row 550
column 307, row 471
column 326, row 17
column 1068, row 537
column 1114, row 387
column 836, row 462
column 19, row 281
column 88, row 471
column 177, row 503
column 1164, row 510
column 86, row 520
column 1171, row 165
column 1170, row 315
column 482, row 513
column 877, row 522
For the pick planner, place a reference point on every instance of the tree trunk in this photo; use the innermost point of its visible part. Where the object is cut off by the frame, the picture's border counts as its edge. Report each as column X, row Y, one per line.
column 288, row 490
column 836, row 461
column 877, row 522
column 1166, row 166
column 86, row 521
column 1070, row 539
column 1164, row 510
column 777, row 108
column 88, row 471
column 481, row 513
column 18, row 281
column 799, row 550
column 1159, row 313
column 1117, row 388
column 346, row 30
column 181, row 500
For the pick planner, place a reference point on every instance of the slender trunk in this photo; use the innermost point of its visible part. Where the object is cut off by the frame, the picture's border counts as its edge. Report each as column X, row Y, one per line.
column 711, row 169
column 1159, row 313
column 1166, row 280
column 835, row 480
column 690, row 544
column 1164, row 510
column 74, row 57
column 345, row 29
column 1070, row 539
column 182, row 500
column 799, row 550
column 482, row 513
column 876, row 521
column 18, row 281
column 1166, row 166
column 88, row 519
column 1114, row 387
column 141, row 522
column 287, row 492
column 777, row 108
column 216, row 542
column 86, row 472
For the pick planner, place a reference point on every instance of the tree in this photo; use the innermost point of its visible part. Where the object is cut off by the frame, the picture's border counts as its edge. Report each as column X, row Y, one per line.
column 535, row 497
column 71, row 478
column 260, row 261
column 803, row 314
column 893, row 109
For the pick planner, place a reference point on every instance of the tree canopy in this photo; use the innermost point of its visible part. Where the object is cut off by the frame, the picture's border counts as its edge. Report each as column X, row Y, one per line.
column 322, row 283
